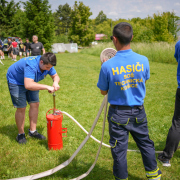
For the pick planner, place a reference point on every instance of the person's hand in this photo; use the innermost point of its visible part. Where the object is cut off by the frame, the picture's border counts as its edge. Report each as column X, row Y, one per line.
column 104, row 60
column 50, row 89
column 56, row 86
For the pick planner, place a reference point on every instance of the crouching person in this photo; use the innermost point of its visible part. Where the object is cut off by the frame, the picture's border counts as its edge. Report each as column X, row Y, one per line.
column 23, row 77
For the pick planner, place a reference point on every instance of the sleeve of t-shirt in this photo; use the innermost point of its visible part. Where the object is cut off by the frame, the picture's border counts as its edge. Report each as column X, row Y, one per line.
column 177, row 51
column 29, row 71
column 52, row 71
column 103, row 83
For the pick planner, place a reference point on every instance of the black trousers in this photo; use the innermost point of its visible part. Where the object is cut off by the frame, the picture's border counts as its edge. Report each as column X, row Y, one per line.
column 173, row 137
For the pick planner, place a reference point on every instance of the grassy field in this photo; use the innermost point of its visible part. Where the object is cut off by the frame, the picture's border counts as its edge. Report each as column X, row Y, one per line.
column 80, row 97
column 156, row 52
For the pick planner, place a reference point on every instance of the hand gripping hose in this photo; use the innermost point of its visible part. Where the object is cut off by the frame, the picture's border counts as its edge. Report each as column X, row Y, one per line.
column 64, row 164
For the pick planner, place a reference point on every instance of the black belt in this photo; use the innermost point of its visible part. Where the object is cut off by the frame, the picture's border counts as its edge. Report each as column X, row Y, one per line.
column 126, row 107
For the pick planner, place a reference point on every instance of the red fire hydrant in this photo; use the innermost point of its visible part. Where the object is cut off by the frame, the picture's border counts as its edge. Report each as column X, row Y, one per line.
column 55, row 130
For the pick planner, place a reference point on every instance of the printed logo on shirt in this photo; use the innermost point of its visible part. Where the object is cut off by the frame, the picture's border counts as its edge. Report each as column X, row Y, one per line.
column 37, row 47
column 129, row 80
column 30, row 58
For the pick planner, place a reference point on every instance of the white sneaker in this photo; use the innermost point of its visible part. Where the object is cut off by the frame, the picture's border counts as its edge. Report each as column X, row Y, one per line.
column 15, row 60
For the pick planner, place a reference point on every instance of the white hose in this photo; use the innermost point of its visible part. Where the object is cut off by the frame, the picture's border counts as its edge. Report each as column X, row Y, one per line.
column 64, row 164
column 106, row 145
column 97, row 155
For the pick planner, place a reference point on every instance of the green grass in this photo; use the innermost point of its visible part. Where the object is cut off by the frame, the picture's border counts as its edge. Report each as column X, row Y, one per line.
column 80, row 97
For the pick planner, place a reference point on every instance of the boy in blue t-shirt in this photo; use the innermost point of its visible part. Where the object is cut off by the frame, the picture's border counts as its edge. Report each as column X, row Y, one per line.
column 123, row 77
column 23, row 77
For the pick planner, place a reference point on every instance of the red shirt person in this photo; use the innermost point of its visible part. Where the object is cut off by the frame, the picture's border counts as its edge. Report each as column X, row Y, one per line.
column 15, row 49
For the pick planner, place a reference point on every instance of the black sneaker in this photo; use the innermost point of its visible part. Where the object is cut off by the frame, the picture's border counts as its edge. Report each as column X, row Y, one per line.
column 165, row 162
column 36, row 135
column 21, row 139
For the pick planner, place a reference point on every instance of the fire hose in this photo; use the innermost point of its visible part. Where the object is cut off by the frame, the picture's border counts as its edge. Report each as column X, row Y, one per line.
column 67, row 162
column 105, row 55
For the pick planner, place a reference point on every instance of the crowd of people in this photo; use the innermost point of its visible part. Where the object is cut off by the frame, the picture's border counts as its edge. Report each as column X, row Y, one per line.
column 25, row 49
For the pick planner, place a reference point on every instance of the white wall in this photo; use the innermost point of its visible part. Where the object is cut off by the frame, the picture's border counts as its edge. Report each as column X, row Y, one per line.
column 61, row 47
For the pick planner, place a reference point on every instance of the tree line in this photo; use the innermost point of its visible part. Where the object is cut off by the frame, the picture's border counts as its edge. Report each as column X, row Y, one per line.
column 73, row 24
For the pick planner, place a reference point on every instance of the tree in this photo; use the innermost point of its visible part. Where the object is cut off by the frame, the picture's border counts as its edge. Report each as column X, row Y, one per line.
column 81, row 32
column 100, row 18
column 7, row 13
column 160, row 28
column 172, row 23
column 39, row 21
column 19, row 21
column 62, row 19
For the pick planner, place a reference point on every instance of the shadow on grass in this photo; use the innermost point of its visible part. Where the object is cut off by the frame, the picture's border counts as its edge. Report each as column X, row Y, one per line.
column 75, row 169
column 159, row 147
column 11, row 131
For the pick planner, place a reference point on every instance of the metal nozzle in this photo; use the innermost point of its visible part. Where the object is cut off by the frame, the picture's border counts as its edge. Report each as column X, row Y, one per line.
column 54, row 103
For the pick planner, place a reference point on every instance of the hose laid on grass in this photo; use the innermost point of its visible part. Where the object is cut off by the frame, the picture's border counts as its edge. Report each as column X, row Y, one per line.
column 106, row 145
column 64, row 164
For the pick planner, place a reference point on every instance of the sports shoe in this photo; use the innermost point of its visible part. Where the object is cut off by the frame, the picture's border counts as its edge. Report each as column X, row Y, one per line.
column 36, row 135
column 21, row 139
column 165, row 162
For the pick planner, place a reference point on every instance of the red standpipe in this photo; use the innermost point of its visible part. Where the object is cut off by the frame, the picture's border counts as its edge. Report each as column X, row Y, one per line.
column 55, row 130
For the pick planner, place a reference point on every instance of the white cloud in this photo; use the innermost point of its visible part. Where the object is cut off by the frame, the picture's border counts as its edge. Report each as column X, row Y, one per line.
column 113, row 13
column 177, row 4
column 159, row 8
column 138, row 11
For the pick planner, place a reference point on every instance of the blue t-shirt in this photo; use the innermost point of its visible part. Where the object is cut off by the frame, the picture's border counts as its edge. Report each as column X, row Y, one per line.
column 27, row 67
column 177, row 56
column 124, row 77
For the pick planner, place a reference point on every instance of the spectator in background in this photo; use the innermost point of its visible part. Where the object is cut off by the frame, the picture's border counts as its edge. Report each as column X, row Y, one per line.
column 21, row 49
column 36, row 47
column 27, row 47
column 10, row 55
column 15, row 49
column 1, row 49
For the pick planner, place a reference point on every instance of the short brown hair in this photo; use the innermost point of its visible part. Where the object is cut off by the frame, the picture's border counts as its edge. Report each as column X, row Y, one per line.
column 49, row 58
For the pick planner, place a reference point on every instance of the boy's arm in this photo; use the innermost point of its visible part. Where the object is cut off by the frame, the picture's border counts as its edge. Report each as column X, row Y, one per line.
column 34, row 86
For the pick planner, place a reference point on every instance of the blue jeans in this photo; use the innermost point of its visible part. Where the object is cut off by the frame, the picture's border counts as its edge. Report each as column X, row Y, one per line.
column 20, row 95
column 121, row 122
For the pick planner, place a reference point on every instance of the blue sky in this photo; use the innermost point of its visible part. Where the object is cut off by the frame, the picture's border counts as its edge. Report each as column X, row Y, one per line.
column 127, row 9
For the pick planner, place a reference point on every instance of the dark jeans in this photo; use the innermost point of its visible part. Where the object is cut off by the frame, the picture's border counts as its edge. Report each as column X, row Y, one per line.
column 121, row 122
column 173, row 137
